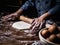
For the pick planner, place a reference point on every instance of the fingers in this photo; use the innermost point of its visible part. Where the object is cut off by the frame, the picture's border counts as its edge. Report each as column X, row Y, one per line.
column 37, row 26
column 42, row 24
column 8, row 17
column 4, row 18
column 32, row 21
column 32, row 24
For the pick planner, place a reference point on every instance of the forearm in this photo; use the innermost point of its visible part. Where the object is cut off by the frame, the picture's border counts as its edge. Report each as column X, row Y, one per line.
column 19, row 12
column 44, row 16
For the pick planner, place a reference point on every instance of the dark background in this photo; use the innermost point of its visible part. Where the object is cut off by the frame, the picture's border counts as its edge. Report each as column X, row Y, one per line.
column 10, row 6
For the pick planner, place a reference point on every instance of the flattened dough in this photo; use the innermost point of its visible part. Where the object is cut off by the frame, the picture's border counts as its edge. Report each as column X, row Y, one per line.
column 21, row 25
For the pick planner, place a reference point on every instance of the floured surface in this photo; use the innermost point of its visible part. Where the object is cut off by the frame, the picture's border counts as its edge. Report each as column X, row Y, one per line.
column 11, row 36
column 21, row 25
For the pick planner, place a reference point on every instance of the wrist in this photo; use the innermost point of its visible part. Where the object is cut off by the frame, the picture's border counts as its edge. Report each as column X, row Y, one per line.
column 16, row 13
column 44, row 16
column 41, row 17
column 19, row 11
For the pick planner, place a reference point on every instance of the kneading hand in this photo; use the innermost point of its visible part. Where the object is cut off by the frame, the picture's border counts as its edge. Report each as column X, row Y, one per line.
column 36, row 24
column 39, row 22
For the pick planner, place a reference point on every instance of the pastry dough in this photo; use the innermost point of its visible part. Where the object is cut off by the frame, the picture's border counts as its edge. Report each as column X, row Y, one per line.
column 21, row 25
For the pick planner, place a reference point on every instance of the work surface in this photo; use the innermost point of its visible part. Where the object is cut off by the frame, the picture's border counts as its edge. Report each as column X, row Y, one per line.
column 11, row 36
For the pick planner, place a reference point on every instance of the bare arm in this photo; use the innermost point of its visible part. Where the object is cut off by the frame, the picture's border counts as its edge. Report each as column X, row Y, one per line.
column 12, row 16
column 18, row 12
column 44, row 16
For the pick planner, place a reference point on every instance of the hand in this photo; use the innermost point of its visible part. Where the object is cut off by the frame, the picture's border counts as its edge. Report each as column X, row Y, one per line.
column 37, row 24
column 9, row 17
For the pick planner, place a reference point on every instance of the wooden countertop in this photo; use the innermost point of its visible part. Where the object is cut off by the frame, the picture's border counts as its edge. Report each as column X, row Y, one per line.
column 11, row 36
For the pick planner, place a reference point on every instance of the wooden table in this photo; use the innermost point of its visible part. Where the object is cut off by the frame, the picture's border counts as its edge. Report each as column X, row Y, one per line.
column 11, row 36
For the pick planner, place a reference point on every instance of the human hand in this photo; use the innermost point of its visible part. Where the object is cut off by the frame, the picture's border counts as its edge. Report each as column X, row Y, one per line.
column 9, row 17
column 37, row 24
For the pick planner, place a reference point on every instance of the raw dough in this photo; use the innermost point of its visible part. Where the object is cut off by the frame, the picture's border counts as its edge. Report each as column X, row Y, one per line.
column 21, row 25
